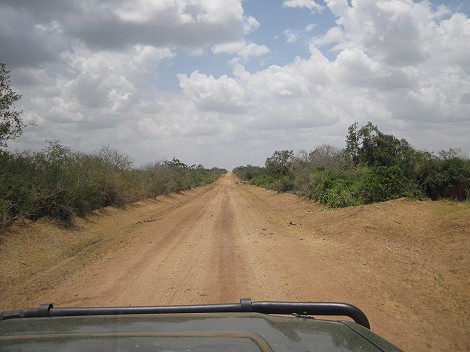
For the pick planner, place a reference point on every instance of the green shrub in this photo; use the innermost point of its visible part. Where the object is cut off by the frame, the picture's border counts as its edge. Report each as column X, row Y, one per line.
column 343, row 193
column 283, row 184
column 61, row 183
column 445, row 175
column 373, row 167
column 249, row 172
column 335, row 188
column 383, row 183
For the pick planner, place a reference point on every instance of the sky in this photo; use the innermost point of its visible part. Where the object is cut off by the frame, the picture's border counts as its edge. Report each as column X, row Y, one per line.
column 227, row 83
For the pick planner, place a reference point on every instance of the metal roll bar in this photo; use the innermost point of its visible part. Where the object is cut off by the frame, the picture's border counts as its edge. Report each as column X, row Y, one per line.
column 245, row 305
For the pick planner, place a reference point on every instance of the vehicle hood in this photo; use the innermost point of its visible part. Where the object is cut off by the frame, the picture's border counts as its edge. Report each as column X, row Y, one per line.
column 187, row 332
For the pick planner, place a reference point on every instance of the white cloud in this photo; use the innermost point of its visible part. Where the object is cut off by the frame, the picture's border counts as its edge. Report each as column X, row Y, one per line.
column 338, row 7
column 89, row 90
column 279, row 97
column 41, row 32
column 451, row 41
column 334, row 35
column 292, row 35
column 366, row 80
column 222, row 95
column 250, row 24
column 309, row 4
column 241, row 48
column 90, row 76
column 310, row 27
column 406, row 51
column 399, row 32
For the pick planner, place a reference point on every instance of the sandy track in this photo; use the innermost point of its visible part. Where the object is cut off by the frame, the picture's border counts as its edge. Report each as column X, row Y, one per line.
column 216, row 248
column 405, row 263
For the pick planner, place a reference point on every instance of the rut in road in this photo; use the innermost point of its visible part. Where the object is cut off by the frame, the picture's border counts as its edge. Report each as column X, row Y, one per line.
column 216, row 248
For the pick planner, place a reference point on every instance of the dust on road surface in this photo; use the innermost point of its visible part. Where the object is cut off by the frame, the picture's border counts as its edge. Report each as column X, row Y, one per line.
column 405, row 263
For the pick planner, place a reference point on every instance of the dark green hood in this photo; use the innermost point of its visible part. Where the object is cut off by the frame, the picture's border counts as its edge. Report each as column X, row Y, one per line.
column 187, row 332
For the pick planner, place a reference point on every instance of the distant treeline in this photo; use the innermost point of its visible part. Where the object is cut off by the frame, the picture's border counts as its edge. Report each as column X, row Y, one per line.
column 62, row 183
column 373, row 167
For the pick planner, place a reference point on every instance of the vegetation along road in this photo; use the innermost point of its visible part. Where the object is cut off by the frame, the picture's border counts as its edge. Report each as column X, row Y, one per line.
column 405, row 263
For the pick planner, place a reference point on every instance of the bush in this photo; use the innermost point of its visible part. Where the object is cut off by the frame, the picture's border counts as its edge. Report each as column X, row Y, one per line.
column 283, row 184
column 445, row 176
column 61, row 183
column 373, row 167
column 343, row 193
column 385, row 183
column 248, row 173
column 335, row 188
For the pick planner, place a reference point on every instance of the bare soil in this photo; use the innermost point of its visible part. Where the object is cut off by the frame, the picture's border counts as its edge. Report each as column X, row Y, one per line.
column 405, row 263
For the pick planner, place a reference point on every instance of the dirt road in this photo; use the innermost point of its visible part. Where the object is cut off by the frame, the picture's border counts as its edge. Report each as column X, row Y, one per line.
column 405, row 263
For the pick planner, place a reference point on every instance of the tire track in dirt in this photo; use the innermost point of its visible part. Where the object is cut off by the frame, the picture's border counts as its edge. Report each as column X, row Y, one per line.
column 230, row 266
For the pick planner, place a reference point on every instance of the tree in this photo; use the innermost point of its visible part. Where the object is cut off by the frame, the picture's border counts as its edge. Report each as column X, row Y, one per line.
column 369, row 146
column 279, row 163
column 326, row 156
column 352, row 143
column 11, row 124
